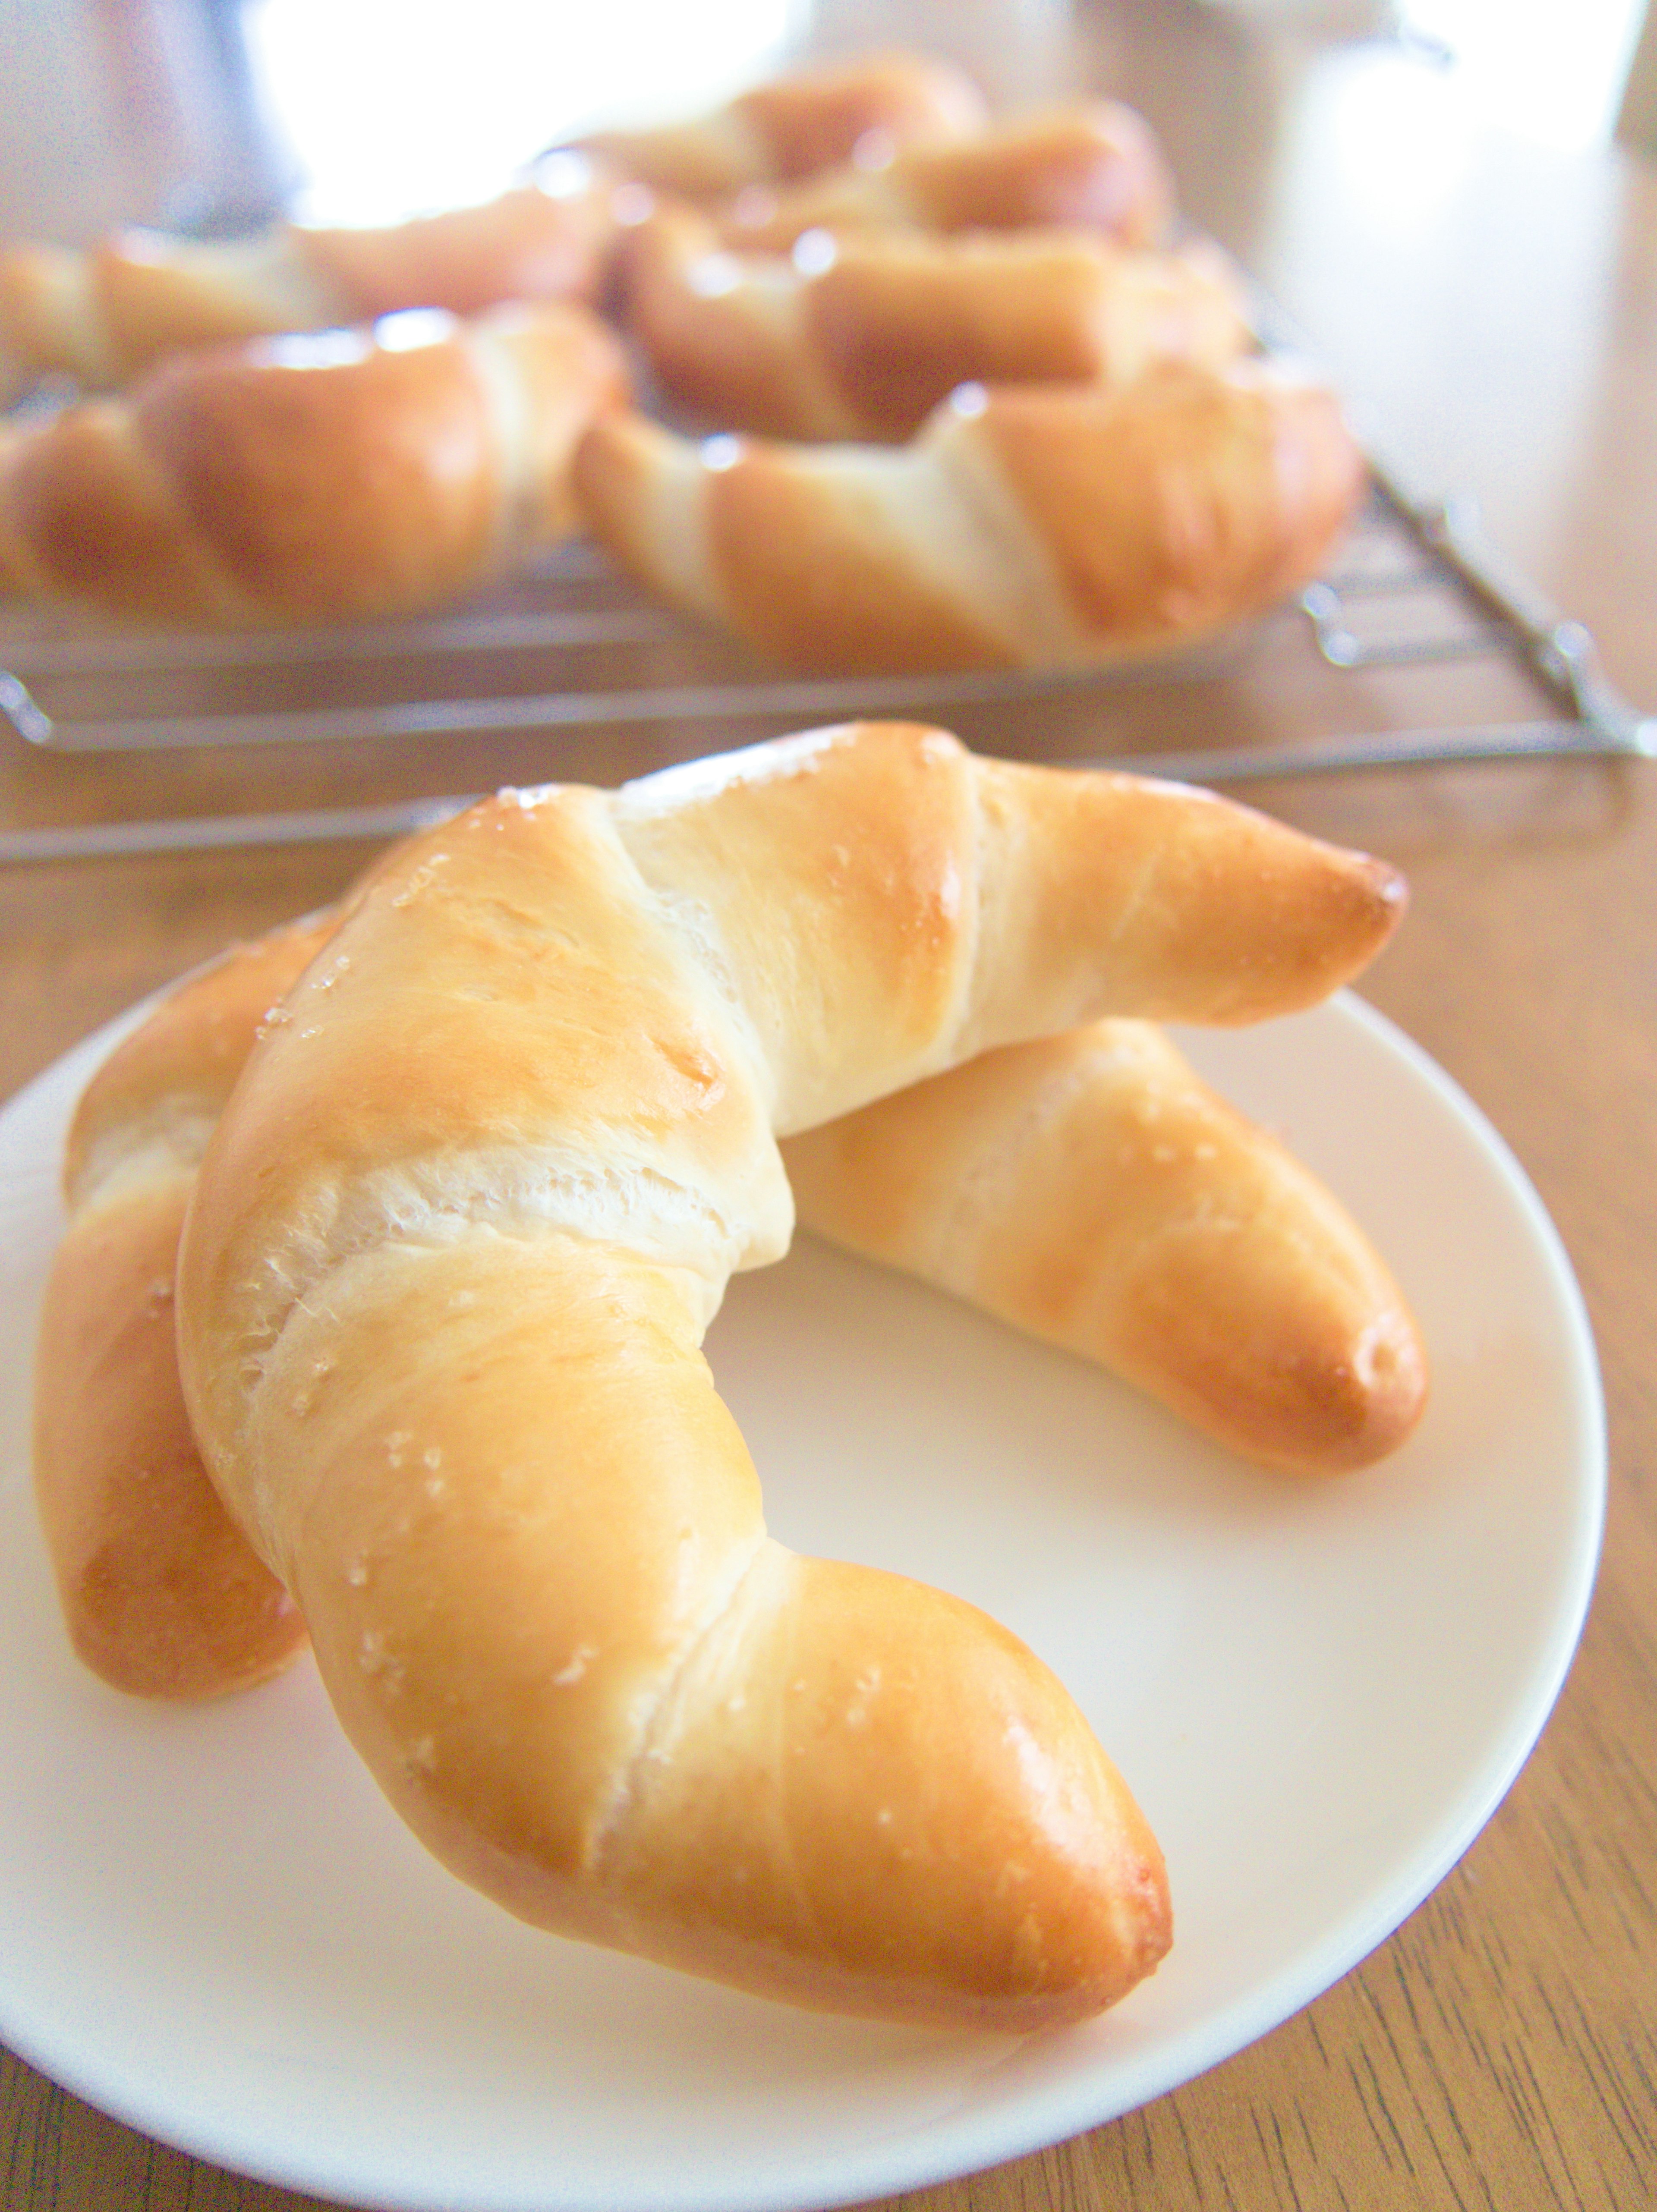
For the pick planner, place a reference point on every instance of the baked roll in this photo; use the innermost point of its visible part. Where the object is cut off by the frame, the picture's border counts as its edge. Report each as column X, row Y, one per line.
column 104, row 315
column 1089, row 1189
column 1086, row 1188
column 812, row 119
column 861, row 338
column 1095, row 166
column 333, row 477
column 445, row 1273
column 161, row 1594
column 1025, row 527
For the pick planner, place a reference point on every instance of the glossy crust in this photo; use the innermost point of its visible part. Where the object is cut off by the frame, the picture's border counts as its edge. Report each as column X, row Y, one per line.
column 814, row 118
column 106, row 315
column 343, row 477
column 1090, row 1189
column 442, row 1290
column 1094, row 167
column 862, row 338
column 1027, row 527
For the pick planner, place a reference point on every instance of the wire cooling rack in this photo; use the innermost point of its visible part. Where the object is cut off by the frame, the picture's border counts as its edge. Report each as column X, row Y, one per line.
column 575, row 647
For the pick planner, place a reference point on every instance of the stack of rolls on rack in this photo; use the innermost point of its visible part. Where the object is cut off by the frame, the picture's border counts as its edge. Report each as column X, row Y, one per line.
column 1047, row 440
column 957, row 398
column 462, row 1170
column 105, row 314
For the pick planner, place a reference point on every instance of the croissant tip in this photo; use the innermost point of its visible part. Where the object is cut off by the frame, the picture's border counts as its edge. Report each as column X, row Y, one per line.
column 1392, row 885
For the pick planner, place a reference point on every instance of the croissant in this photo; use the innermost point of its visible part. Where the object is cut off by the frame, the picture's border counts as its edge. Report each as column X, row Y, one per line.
column 862, row 338
column 1027, row 525
column 1094, row 167
column 327, row 478
column 161, row 1594
column 1090, row 1189
column 1087, row 1187
column 104, row 315
column 811, row 119
column 449, row 1260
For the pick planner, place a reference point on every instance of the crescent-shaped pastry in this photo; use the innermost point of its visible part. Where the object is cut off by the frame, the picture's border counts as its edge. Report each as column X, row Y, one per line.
column 106, row 314
column 861, row 338
column 1092, row 167
column 816, row 118
column 333, row 477
column 443, row 1286
column 1086, row 1188
column 1091, row 1190
column 1057, row 526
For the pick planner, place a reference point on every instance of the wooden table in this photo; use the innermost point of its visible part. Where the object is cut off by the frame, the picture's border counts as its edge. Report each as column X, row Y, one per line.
column 1495, row 305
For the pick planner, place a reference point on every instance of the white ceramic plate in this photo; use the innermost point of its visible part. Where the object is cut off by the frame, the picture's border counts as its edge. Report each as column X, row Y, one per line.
column 211, row 1927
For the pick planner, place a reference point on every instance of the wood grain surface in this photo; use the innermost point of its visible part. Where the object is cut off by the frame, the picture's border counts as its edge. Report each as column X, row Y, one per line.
column 1493, row 305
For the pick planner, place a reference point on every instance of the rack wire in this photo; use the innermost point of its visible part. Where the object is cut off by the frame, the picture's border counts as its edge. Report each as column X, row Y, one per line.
column 1419, row 587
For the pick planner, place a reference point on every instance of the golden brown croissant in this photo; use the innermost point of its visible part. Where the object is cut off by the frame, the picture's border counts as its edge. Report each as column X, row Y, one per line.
column 1090, row 1189
column 1028, row 526
column 862, row 337
column 104, row 315
column 332, row 477
column 162, row 1596
column 1184, row 1249
column 442, row 1288
column 814, row 118
column 1095, row 166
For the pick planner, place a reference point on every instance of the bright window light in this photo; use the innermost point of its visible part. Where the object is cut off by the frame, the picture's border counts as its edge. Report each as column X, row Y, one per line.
column 393, row 106
column 1551, row 71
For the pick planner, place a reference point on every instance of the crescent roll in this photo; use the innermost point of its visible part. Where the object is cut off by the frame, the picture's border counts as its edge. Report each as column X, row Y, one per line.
column 337, row 478
column 1091, row 1190
column 1095, row 166
column 1028, row 526
column 812, row 119
column 1087, row 1187
column 161, row 1594
column 441, row 1290
column 104, row 315
column 862, row 337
